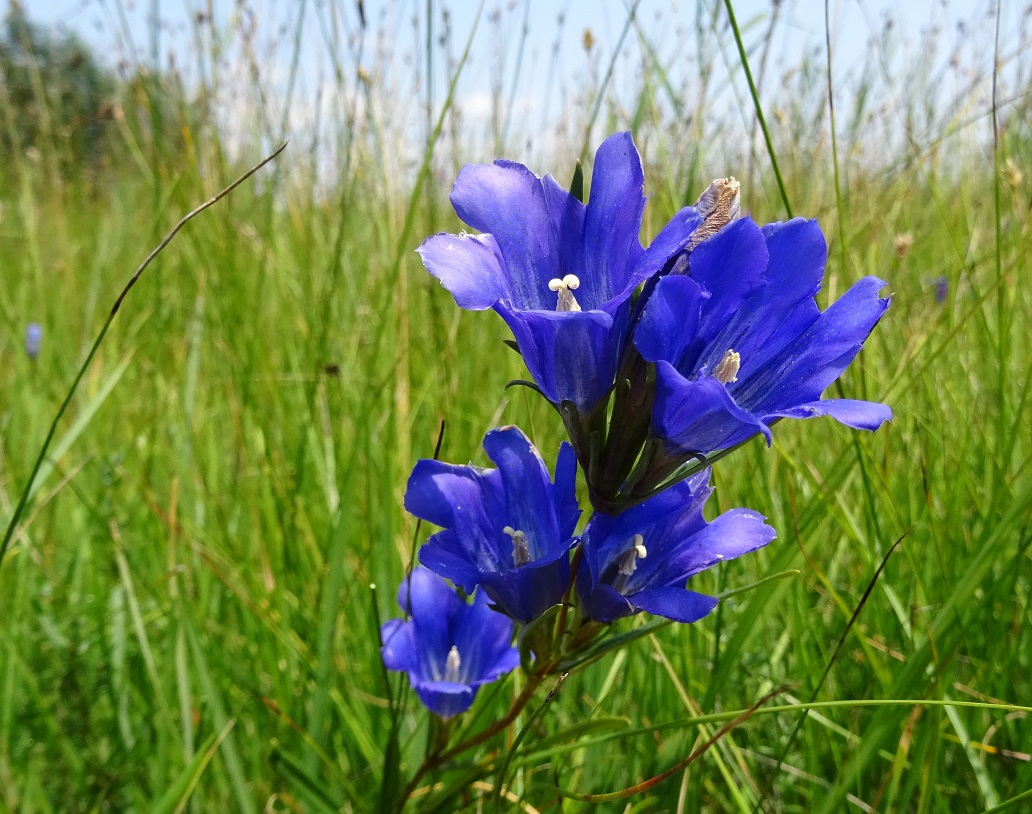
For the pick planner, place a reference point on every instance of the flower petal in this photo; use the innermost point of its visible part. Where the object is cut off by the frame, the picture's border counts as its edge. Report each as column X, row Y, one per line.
column 565, row 489
column 447, row 647
column 776, row 314
column 730, row 266
column 732, row 534
column 671, row 240
column 436, row 610
column 527, row 486
column 444, row 554
column 669, row 541
column 613, row 218
column 601, row 602
column 445, row 698
column 463, row 500
column 399, row 650
column 805, row 367
column 508, row 201
column 678, row 604
column 669, row 522
column 572, row 356
column 525, row 593
column 567, row 213
column 483, row 638
column 443, row 493
column 469, row 266
column 700, row 416
column 665, row 521
column 670, row 322
column 860, row 415
column 507, row 661
column 798, row 253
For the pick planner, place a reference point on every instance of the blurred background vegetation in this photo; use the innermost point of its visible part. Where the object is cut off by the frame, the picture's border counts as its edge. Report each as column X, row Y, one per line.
column 188, row 622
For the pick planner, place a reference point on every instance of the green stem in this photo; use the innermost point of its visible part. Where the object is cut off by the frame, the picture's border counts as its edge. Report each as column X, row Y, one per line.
column 439, row 758
column 759, row 108
column 834, row 142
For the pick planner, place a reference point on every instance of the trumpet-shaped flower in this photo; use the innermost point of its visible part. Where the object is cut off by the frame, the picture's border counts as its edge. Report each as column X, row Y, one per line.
column 560, row 273
column 507, row 530
column 448, row 647
column 739, row 342
column 641, row 559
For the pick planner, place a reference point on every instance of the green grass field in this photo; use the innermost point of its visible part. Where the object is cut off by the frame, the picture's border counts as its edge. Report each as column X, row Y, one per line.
column 187, row 617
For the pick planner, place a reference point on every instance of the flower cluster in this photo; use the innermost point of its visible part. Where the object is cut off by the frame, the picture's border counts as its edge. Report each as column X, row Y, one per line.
column 659, row 361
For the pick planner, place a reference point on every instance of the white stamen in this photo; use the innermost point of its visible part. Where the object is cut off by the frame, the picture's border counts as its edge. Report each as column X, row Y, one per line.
column 628, row 562
column 520, row 549
column 728, row 367
column 563, row 287
column 452, row 665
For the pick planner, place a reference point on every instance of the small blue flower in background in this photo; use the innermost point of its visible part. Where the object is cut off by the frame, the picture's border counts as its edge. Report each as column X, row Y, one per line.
column 560, row 273
column 33, row 339
column 641, row 559
column 942, row 289
column 448, row 647
column 507, row 530
column 739, row 341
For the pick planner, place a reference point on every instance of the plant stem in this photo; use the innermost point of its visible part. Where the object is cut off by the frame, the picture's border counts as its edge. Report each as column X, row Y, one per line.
column 432, row 761
column 759, row 108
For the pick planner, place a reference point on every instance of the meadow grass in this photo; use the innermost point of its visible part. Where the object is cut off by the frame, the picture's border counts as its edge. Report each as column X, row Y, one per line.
column 188, row 617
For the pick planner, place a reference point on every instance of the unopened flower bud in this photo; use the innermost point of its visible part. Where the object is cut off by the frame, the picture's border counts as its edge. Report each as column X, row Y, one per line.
column 720, row 204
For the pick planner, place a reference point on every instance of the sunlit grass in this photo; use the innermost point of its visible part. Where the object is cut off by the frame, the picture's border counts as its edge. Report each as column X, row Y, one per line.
column 186, row 605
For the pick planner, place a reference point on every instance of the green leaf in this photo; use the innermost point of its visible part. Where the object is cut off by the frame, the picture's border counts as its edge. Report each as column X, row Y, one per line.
column 612, row 643
column 176, row 796
column 303, row 784
column 577, row 182
column 234, row 765
column 390, row 785
column 536, row 639
column 82, row 421
column 602, row 725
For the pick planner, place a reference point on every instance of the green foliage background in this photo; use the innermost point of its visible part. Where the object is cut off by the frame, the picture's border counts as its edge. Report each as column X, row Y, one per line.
column 187, row 618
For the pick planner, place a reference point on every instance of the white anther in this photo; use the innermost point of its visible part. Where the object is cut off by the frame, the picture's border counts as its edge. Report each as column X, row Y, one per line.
column 728, row 367
column 570, row 281
column 520, row 549
column 452, row 665
column 563, row 287
column 629, row 559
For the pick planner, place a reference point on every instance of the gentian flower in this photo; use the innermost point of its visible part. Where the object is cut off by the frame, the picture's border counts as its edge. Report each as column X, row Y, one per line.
column 508, row 529
column 558, row 272
column 448, row 647
column 739, row 342
column 33, row 339
column 641, row 559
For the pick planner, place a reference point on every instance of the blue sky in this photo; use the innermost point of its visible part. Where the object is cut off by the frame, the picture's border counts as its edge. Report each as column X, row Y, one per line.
column 553, row 61
column 801, row 21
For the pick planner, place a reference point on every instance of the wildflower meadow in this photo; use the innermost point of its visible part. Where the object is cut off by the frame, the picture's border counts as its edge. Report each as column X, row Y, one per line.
column 452, row 406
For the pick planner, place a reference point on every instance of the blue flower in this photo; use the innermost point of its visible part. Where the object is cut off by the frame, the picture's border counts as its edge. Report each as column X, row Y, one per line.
column 641, row 559
column 33, row 339
column 739, row 342
column 448, row 647
column 508, row 529
column 558, row 272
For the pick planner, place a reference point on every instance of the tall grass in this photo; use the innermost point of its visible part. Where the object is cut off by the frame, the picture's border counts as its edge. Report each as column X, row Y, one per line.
column 188, row 622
